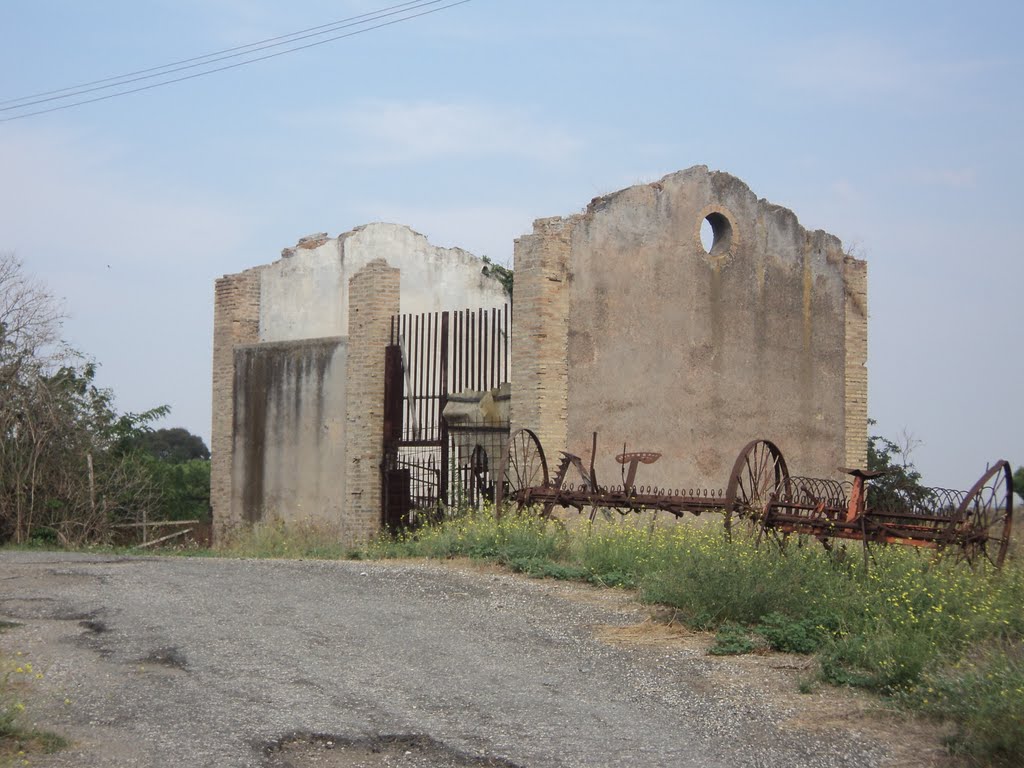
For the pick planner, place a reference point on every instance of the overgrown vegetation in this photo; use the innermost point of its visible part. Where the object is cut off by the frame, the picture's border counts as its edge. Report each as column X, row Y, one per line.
column 71, row 465
column 178, row 465
column 295, row 540
column 502, row 274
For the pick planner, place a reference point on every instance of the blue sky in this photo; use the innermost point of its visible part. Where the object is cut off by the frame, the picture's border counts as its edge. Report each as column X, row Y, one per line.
column 895, row 126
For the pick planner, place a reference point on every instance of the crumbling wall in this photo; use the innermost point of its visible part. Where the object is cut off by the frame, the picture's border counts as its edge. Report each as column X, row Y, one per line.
column 305, row 294
column 624, row 324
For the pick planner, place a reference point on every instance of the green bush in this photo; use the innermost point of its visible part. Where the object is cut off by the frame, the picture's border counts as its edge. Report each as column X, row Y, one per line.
column 732, row 640
column 984, row 696
column 791, row 635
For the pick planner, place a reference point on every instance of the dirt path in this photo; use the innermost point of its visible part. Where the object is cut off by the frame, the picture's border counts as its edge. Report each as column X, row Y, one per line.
column 208, row 662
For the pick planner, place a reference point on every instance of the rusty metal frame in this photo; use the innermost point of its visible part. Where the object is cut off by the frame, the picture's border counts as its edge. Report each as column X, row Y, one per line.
column 762, row 496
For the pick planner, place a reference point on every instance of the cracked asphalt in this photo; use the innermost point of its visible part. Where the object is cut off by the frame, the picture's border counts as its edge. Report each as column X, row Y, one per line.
column 153, row 661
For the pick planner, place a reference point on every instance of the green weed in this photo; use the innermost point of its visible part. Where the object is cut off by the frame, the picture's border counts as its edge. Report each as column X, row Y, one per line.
column 984, row 696
column 16, row 677
column 732, row 639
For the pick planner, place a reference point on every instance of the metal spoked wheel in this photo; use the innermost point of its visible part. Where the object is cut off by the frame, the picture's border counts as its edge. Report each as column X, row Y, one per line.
column 522, row 467
column 985, row 517
column 759, row 474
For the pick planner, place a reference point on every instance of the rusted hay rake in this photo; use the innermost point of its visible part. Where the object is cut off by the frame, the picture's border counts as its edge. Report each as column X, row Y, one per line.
column 762, row 498
column 526, row 482
column 975, row 523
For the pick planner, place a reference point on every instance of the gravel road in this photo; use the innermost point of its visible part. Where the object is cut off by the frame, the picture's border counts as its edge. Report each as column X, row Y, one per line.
column 215, row 662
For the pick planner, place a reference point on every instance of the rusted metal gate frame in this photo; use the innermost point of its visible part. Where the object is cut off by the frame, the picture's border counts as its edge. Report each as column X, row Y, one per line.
column 431, row 356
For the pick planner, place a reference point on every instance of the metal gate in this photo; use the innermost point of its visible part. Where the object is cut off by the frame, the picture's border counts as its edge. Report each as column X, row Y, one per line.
column 445, row 411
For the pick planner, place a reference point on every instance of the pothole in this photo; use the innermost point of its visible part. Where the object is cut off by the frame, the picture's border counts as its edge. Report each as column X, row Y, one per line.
column 168, row 657
column 94, row 626
column 306, row 750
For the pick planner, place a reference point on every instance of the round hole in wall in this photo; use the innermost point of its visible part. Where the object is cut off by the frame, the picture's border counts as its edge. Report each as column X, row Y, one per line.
column 716, row 234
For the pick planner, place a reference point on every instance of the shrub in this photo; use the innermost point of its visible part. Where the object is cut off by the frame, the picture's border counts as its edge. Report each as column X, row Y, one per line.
column 984, row 696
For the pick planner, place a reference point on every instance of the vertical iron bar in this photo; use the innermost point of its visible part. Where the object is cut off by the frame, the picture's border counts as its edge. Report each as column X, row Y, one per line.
column 442, row 424
column 494, row 347
column 460, row 334
column 419, row 376
column 435, row 411
column 472, row 351
column 404, row 337
column 483, row 351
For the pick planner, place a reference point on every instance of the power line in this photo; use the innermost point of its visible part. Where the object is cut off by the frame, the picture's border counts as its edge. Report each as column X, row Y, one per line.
column 290, row 37
column 225, row 67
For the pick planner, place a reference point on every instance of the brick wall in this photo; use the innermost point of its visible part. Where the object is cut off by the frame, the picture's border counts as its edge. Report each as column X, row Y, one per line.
column 855, row 273
column 540, row 325
column 373, row 298
column 235, row 321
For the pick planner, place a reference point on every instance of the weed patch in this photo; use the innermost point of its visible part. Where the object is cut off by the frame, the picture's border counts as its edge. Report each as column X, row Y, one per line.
column 16, row 677
column 732, row 640
column 294, row 540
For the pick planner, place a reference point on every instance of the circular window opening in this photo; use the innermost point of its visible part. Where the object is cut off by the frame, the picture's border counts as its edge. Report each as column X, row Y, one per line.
column 716, row 234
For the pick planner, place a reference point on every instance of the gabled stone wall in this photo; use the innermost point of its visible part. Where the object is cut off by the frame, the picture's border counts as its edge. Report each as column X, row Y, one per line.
column 625, row 324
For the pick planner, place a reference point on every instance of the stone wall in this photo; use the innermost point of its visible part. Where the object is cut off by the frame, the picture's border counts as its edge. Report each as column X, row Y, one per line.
column 540, row 328
column 856, row 273
column 235, row 322
column 305, row 294
column 374, row 298
column 625, row 324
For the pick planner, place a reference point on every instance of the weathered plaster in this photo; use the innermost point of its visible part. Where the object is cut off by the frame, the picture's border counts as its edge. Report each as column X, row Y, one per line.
column 655, row 343
column 305, row 293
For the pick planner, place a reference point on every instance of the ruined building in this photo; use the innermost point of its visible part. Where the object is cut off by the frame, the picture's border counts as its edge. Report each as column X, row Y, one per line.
column 298, row 366
column 623, row 323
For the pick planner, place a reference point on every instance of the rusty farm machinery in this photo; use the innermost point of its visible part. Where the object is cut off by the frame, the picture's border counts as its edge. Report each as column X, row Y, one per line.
column 763, row 499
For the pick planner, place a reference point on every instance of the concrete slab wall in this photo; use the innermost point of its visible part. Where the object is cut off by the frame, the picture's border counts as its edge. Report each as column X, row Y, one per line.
column 667, row 347
column 289, row 432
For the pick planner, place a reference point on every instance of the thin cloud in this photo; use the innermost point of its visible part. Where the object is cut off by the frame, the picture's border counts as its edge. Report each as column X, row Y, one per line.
column 60, row 198
column 858, row 68
column 952, row 178
column 395, row 133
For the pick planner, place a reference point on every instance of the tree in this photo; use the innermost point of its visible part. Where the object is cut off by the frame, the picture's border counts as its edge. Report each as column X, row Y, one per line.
column 174, row 445
column 63, row 474
column 179, row 464
column 1018, row 482
column 900, row 487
